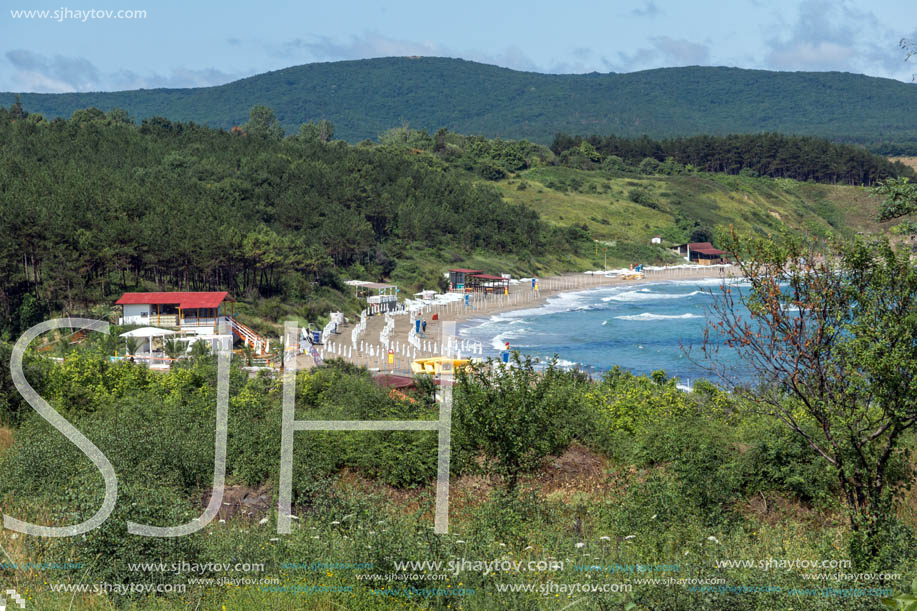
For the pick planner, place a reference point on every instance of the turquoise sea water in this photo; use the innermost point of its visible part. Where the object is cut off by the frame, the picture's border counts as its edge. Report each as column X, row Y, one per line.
column 640, row 328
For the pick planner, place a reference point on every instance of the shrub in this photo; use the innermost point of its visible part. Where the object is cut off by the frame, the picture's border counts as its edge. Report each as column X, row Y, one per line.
column 512, row 415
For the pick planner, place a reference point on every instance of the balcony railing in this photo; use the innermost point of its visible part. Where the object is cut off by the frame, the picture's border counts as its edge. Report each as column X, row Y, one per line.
column 377, row 299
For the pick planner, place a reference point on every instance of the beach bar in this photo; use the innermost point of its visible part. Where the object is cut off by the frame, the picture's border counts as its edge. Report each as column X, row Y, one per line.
column 488, row 283
column 458, row 278
column 701, row 253
column 381, row 297
column 200, row 309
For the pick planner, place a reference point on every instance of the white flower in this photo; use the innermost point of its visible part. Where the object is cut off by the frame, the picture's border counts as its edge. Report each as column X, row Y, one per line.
column 629, row 537
column 222, row 521
column 336, row 522
column 605, row 538
column 274, row 539
column 712, row 538
column 580, row 544
column 503, row 545
column 528, row 547
column 262, row 521
column 459, row 541
column 654, row 516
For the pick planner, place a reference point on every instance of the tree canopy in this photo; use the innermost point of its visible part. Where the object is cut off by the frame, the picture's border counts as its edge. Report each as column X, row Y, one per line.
column 94, row 205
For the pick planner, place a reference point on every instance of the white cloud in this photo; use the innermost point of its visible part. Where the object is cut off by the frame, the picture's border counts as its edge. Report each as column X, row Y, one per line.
column 664, row 51
column 37, row 72
column 34, row 72
column 368, row 44
column 373, row 44
column 836, row 36
column 649, row 9
column 681, row 52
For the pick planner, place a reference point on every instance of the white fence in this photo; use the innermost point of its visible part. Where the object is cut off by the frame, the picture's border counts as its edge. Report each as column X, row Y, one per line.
column 360, row 328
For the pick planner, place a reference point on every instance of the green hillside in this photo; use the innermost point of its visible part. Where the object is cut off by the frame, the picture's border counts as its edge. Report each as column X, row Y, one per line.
column 673, row 206
column 365, row 97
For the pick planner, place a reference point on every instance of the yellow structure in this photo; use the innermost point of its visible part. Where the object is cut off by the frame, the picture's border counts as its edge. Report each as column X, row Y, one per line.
column 434, row 366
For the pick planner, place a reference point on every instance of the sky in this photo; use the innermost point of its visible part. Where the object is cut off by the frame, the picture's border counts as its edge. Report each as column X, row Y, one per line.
column 171, row 43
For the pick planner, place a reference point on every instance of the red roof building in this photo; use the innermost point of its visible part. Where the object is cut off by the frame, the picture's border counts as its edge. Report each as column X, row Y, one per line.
column 458, row 278
column 702, row 253
column 173, row 309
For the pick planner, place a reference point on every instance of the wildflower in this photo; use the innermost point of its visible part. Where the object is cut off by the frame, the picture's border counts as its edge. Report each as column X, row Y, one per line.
column 714, row 539
column 580, row 544
column 629, row 537
column 263, row 521
column 605, row 538
column 274, row 539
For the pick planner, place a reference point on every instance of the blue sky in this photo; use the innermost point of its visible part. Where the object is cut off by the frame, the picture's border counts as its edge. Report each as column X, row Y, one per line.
column 187, row 44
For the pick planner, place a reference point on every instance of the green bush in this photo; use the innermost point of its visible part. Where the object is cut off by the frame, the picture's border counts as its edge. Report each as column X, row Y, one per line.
column 513, row 416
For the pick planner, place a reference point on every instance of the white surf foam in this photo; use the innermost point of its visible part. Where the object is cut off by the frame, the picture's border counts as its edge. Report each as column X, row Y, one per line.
column 647, row 295
column 649, row 316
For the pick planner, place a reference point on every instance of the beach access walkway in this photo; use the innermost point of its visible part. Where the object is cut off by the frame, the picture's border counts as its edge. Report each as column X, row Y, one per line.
column 388, row 343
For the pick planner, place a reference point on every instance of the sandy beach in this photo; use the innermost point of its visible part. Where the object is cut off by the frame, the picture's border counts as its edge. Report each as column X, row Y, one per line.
column 370, row 352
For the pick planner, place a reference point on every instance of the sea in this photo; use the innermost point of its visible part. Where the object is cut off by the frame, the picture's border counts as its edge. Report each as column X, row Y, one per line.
column 640, row 328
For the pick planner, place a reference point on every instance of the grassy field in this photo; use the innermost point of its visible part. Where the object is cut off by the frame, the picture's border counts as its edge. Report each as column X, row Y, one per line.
column 686, row 482
column 669, row 205
column 911, row 161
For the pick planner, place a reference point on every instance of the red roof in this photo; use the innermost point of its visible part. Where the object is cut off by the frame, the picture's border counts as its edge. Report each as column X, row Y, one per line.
column 706, row 248
column 182, row 300
column 467, row 271
column 393, row 381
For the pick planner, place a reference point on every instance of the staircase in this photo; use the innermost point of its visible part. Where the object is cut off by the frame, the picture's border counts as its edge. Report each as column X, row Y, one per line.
column 258, row 343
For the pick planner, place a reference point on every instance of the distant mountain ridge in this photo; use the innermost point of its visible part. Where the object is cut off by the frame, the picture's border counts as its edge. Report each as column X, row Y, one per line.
column 366, row 97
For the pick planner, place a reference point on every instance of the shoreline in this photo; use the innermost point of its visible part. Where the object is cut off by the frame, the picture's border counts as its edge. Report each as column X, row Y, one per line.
column 370, row 352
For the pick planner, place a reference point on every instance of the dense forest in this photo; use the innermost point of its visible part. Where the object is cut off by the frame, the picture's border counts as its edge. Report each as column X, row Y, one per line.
column 774, row 155
column 94, row 205
column 366, row 97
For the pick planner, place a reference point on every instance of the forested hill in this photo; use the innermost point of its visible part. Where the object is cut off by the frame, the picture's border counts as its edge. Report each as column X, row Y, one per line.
column 93, row 206
column 365, row 97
